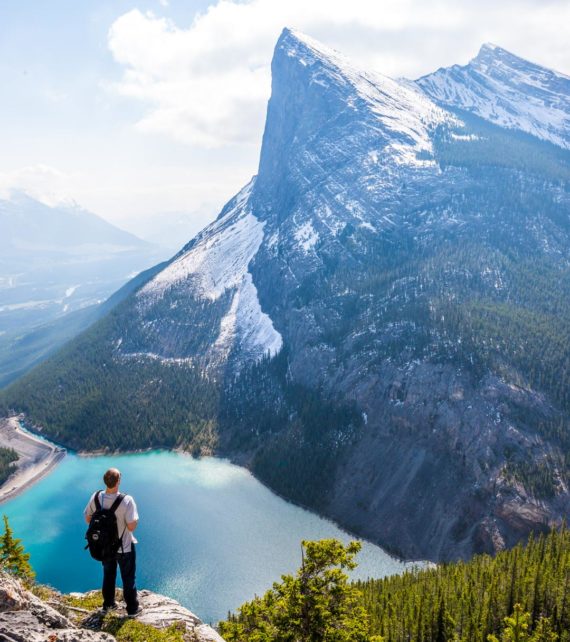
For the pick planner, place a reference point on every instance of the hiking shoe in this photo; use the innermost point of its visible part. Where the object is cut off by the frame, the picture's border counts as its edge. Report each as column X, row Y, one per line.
column 137, row 612
column 112, row 607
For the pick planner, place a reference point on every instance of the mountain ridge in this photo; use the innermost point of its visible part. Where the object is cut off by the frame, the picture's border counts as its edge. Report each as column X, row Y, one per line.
column 69, row 225
column 506, row 90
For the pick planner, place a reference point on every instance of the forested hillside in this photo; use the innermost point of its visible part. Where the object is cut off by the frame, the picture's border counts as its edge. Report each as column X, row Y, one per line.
column 471, row 600
column 521, row 595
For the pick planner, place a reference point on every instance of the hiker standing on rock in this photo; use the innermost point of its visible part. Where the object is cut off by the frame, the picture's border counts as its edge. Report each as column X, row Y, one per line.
column 112, row 519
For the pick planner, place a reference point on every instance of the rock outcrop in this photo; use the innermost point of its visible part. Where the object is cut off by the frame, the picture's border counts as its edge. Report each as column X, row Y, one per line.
column 25, row 617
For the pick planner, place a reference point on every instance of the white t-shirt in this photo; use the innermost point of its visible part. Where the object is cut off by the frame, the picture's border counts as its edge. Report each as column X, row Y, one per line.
column 126, row 513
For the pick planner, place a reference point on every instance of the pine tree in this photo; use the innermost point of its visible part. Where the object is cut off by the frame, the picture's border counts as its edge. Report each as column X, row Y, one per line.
column 12, row 556
column 445, row 626
column 543, row 631
column 316, row 605
column 516, row 627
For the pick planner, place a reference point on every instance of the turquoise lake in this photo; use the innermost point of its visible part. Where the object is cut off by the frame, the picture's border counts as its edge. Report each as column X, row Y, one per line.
column 210, row 535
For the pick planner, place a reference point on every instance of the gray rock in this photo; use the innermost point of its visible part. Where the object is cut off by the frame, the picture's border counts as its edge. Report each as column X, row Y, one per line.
column 161, row 611
column 12, row 594
column 24, row 626
column 205, row 633
column 24, row 617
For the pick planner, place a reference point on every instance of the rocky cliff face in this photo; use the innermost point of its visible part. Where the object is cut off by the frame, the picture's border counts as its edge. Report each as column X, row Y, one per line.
column 377, row 324
column 25, row 617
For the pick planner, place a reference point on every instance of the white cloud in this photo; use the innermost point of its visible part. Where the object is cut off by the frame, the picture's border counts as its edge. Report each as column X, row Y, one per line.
column 208, row 84
column 42, row 182
column 198, row 92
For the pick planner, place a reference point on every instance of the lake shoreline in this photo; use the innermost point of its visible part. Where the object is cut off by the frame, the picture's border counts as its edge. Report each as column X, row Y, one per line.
column 211, row 535
column 37, row 457
column 239, row 461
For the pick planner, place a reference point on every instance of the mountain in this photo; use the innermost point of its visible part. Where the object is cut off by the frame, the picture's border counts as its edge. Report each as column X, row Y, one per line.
column 27, row 225
column 508, row 91
column 54, row 261
column 377, row 325
column 58, row 259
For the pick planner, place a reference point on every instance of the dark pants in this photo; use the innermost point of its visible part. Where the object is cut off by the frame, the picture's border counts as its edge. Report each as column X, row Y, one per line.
column 127, row 564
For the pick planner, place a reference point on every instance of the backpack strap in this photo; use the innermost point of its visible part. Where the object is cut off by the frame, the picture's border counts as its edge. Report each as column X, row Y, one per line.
column 116, row 503
column 96, row 499
column 113, row 508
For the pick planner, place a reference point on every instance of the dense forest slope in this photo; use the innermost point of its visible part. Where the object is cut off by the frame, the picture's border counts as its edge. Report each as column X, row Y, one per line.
column 471, row 600
column 521, row 595
column 378, row 325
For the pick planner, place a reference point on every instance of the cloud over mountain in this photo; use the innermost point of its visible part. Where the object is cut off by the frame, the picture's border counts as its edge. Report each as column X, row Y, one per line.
column 207, row 84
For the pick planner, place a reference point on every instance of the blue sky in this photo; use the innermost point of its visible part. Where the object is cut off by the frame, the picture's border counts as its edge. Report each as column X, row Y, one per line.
column 138, row 109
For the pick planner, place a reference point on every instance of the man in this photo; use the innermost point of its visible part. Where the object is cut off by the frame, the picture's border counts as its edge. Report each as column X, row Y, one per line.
column 127, row 521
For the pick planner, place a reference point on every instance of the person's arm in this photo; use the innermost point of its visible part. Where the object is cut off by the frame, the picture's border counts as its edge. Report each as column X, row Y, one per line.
column 89, row 509
column 132, row 525
column 132, row 516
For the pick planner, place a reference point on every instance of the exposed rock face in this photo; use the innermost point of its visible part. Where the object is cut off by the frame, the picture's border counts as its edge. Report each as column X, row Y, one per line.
column 448, row 456
column 24, row 617
column 161, row 612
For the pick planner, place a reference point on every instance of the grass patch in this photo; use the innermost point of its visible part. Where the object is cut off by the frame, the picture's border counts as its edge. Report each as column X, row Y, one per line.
column 89, row 601
column 126, row 630
column 44, row 592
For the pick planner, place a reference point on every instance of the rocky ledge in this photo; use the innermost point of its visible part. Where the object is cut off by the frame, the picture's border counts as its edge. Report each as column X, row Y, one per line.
column 44, row 615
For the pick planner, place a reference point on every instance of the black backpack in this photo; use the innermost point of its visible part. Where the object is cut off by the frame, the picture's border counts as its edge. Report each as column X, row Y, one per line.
column 103, row 540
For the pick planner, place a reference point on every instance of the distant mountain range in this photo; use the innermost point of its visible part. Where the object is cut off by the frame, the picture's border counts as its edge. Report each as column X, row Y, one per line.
column 378, row 324
column 56, row 261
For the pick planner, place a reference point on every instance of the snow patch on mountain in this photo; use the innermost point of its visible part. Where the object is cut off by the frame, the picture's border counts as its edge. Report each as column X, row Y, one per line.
column 255, row 330
column 247, row 326
column 219, row 257
column 224, row 342
column 152, row 356
column 218, row 261
column 306, row 236
column 507, row 91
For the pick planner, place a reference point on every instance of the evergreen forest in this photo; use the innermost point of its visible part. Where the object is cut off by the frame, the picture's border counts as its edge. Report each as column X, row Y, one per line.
column 520, row 595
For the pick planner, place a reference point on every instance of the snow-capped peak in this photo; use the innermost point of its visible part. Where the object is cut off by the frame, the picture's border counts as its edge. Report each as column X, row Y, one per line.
column 490, row 47
column 294, row 40
column 508, row 91
column 404, row 114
